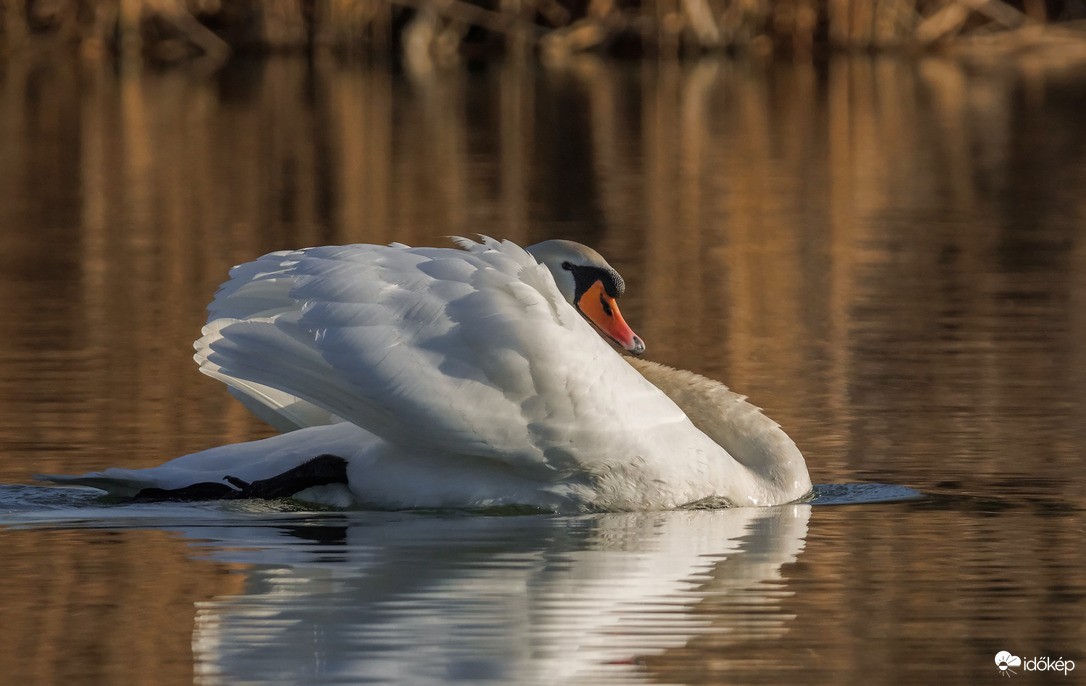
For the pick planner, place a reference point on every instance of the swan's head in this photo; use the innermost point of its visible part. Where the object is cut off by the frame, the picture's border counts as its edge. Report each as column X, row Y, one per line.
column 590, row 285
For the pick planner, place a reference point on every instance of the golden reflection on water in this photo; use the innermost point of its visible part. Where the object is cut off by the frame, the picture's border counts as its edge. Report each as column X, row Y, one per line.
column 885, row 254
column 102, row 606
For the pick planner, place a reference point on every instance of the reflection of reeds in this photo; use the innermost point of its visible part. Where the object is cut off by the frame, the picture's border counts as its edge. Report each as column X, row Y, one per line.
column 428, row 32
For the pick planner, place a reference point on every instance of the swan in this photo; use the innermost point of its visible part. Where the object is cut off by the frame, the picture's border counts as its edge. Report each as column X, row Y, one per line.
column 467, row 377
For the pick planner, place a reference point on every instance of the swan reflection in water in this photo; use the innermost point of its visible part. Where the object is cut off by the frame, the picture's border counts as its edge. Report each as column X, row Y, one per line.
column 419, row 599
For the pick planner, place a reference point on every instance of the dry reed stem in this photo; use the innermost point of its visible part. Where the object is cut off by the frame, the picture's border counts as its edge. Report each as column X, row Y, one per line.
column 552, row 27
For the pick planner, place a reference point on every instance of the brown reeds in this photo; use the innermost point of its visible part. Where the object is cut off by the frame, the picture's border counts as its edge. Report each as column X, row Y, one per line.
column 429, row 32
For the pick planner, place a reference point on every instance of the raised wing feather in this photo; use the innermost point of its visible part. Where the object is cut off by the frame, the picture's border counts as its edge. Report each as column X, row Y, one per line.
column 438, row 350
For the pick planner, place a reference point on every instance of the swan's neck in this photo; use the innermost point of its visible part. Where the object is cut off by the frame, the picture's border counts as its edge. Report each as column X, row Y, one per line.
column 751, row 438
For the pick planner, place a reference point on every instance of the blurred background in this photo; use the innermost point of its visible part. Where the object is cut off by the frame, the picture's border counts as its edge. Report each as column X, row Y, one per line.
column 867, row 216
column 764, row 203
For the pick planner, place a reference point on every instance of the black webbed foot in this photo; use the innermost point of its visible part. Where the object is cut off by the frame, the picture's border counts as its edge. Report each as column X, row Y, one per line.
column 319, row 471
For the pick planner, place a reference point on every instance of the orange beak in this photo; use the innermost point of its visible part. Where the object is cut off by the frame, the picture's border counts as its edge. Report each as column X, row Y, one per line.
column 602, row 310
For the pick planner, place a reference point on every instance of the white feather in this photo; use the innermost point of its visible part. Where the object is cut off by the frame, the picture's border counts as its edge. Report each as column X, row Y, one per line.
column 460, row 378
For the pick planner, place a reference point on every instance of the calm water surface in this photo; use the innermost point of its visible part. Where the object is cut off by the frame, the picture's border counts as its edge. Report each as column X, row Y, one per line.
column 888, row 256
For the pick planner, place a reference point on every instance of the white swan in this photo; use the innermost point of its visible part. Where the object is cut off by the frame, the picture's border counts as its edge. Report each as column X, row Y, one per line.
column 436, row 377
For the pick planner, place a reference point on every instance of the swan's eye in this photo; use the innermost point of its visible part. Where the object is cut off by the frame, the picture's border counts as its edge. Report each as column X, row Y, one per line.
column 567, row 266
column 606, row 306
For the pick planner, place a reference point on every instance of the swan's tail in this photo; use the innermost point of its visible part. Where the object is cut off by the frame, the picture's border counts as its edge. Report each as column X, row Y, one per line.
column 124, row 483
column 276, row 467
column 323, row 470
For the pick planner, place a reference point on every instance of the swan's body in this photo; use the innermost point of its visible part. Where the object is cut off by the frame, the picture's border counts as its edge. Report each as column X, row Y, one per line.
column 462, row 378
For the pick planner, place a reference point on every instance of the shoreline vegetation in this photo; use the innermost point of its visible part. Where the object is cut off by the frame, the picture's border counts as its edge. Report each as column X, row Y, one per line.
column 429, row 33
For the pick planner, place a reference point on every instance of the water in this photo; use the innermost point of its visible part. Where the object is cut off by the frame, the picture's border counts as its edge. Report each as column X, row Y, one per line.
column 886, row 255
